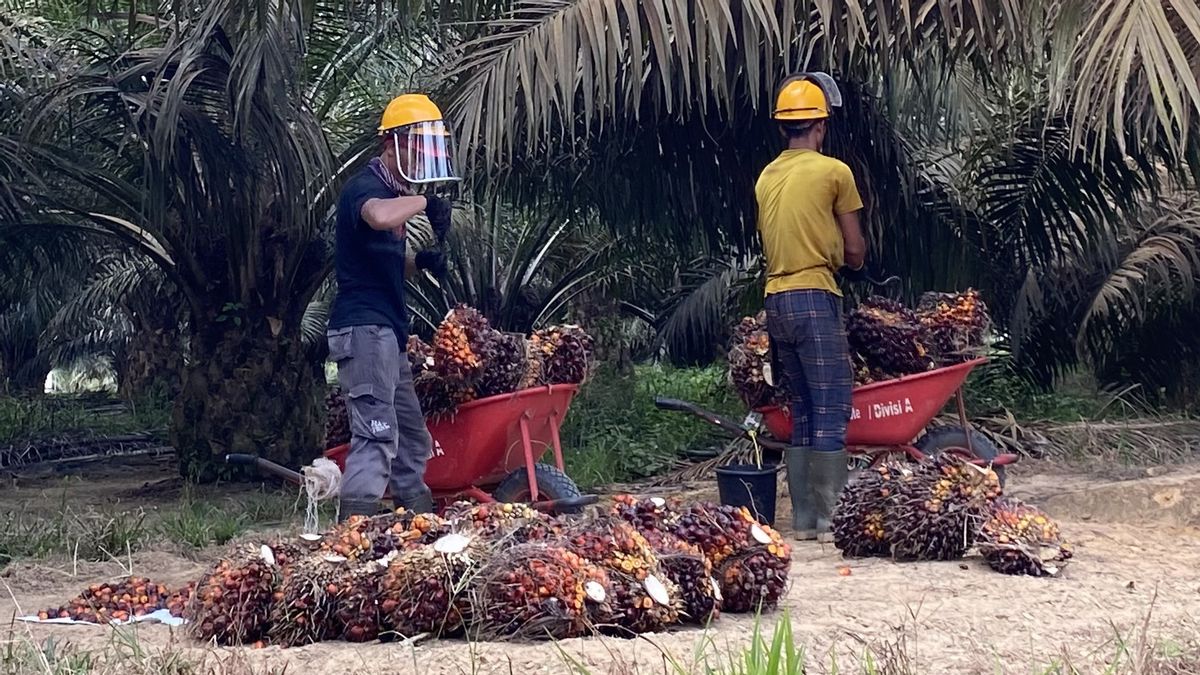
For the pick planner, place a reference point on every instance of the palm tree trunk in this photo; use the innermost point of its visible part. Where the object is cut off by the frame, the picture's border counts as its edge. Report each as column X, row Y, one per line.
column 245, row 392
column 152, row 361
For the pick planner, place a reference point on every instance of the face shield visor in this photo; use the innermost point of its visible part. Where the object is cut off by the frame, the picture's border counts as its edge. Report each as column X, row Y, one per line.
column 423, row 153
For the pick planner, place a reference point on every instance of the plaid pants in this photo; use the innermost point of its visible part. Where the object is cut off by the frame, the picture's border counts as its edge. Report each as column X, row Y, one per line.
column 809, row 337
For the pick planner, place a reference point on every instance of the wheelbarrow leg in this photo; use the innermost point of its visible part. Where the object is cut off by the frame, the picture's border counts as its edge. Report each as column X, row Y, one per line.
column 528, row 447
column 558, row 458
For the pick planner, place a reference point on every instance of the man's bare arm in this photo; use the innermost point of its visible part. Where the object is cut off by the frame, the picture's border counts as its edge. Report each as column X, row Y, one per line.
column 852, row 237
column 391, row 214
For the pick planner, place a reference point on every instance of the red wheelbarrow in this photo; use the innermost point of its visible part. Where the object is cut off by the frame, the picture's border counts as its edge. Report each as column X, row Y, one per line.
column 489, row 451
column 886, row 418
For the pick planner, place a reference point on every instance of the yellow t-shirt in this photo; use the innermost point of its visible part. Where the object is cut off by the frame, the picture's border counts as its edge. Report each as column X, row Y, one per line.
column 799, row 196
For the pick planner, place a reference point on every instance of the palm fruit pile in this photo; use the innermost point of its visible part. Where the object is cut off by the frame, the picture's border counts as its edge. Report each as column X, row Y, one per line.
column 1018, row 538
column 956, row 324
column 640, row 598
column 750, row 372
column 889, row 337
column 426, row 589
column 565, row 353
column 232, row 601
column 887, row 340
column 118, row 601
column 533, row 591
column 481, row 570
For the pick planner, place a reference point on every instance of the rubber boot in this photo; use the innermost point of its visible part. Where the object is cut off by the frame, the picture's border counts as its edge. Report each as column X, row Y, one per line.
column 420, row 503
column 829, row 473
column 804, row 518
column 356, row 507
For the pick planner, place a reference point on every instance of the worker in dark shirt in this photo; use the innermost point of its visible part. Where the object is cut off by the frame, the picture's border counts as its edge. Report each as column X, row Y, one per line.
column 368, row 324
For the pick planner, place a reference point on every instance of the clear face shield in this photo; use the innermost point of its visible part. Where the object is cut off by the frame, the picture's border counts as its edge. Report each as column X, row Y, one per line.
column 423, row 153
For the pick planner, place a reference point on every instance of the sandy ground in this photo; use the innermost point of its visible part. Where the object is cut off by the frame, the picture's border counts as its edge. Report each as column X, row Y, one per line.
column 1136, row 576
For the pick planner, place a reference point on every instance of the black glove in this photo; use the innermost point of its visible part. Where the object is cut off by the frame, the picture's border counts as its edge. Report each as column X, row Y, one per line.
column 432, row 260
column 437, row 210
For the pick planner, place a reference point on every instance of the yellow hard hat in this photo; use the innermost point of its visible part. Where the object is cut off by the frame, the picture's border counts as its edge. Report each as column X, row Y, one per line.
column 801, row 99
column 409, row 109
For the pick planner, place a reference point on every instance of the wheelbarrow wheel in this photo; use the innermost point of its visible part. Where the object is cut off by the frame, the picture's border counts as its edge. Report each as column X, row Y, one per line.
column 954, row 439
column 552, row 485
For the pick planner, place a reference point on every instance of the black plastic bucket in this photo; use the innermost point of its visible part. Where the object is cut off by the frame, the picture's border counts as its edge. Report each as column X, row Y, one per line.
column 749, row 486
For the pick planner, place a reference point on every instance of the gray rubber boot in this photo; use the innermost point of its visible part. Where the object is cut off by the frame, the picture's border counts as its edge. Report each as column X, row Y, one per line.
column 829, row 472
column 357, row 507
column 804, row 517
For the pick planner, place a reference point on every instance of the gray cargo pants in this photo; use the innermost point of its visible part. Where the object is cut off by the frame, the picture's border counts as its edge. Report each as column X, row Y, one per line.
column 389, row 442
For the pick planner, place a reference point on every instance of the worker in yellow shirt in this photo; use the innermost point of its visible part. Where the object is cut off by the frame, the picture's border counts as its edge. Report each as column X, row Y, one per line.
column 808, row 209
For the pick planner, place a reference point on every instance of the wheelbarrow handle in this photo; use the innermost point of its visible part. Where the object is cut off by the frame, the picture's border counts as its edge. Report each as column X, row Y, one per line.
column 264, row 465
column 721, row 422
column 566, row 504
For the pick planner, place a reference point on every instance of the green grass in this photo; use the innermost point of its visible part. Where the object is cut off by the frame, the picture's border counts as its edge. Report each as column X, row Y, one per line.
column 102, row 534
column 57, row 416
column 615, row 434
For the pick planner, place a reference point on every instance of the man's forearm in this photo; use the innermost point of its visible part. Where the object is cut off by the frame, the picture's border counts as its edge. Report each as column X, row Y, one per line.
column 391, row 214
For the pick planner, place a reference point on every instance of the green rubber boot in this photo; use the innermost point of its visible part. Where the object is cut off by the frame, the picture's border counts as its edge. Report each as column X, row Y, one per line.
column 829, row 472
column 804, row 517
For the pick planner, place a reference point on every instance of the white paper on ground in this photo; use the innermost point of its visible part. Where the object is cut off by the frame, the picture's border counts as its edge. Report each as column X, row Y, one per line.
column 162, row 616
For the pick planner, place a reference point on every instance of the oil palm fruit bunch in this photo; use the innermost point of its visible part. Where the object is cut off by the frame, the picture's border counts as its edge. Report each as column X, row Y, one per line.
column 303, row 611
column 426, row 589
column 565, row 352
column 641, row 597
column 755, row 579
column 420, row 355
column 117, row 601
column 750, row 561
column 686, row 566
column 611, row 543
column 857, row 520
column 648, row 515
column 513, row 523
column 504, row 363
column 1019, row 538
column 232, row 602
column 889, row 337
column 337, row 422
column 956, row 324
column 355, row 612
column 749, row 359
column 534, row 590
column 454, row 355
column 534, row 367
column 935, row 512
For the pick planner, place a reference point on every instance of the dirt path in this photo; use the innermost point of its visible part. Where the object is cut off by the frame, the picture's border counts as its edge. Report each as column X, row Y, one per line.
column 1137, row 564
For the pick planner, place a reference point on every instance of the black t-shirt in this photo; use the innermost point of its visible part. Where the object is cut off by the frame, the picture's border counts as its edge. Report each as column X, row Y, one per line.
column 369, row 264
